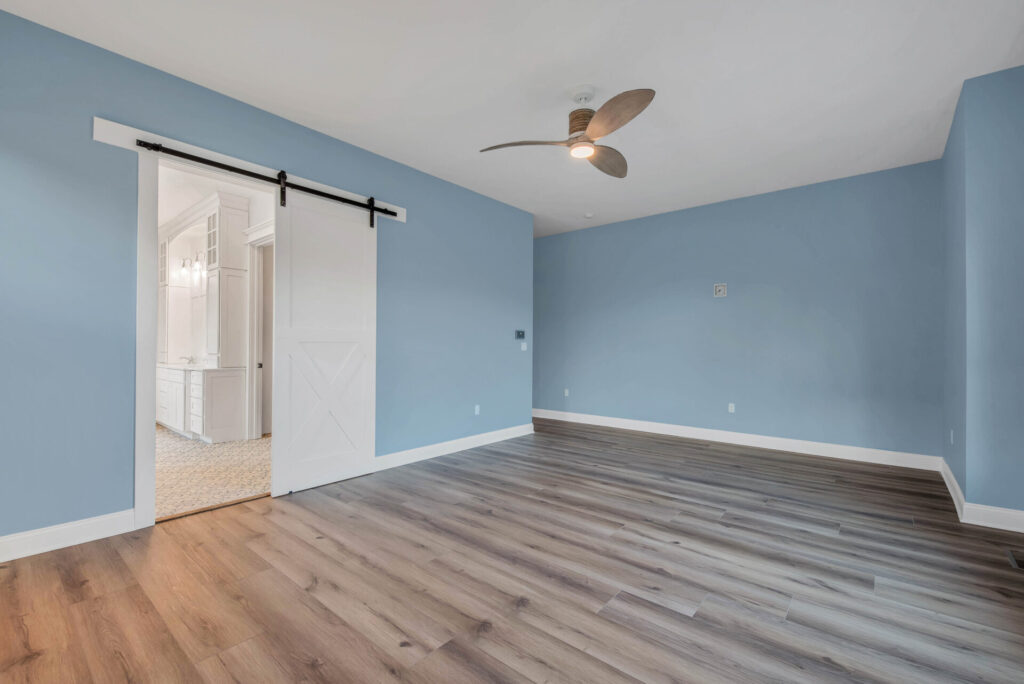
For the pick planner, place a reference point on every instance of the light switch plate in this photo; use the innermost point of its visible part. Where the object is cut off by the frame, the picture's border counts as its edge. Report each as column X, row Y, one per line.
column 522, row 346
column 721, row 290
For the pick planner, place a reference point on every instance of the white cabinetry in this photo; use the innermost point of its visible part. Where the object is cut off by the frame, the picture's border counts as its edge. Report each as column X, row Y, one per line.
column 170, row 398
column 212, row 255
column 227, row 219
column 226, row 318
column 173, row 311
column 227, row 290
column 161, row 324
column 161, row 303
column 213, row 314
column 161, row 267
column 203, row 319
column 207, row 404
column 216, row 404
column 211, row 232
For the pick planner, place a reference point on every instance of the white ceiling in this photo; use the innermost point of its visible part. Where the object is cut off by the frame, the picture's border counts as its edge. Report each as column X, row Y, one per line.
column 753, row 96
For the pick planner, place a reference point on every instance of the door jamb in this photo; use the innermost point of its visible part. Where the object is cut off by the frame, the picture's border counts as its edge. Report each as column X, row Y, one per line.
column 254, row 381
column 145, row 344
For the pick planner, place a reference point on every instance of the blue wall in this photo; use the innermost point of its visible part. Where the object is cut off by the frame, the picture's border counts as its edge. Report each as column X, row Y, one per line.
column 955, row 380
column 833, row 328
column 881, row 310
column 454, row 282
column 991, row 107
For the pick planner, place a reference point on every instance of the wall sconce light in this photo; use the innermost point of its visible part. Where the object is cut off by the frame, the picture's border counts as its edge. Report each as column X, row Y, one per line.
column 193, row 266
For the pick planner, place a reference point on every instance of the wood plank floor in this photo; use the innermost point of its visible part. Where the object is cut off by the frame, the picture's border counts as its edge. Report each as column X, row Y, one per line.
column 574, row 554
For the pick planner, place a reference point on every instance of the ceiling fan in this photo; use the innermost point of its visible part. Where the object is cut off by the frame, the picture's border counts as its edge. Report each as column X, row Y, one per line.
column 587, row 126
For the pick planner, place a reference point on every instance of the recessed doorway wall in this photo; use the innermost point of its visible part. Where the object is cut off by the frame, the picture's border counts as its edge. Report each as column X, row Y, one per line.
column 209, row 448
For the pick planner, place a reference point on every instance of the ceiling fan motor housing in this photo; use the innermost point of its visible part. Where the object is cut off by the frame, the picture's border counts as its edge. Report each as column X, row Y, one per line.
column 578, row 120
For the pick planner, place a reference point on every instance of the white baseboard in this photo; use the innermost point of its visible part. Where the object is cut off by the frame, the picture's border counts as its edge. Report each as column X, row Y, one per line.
column 799, row 446
column 954, row 490
column 1009, row 519
column 44, row 539
column 400, row 458
column 31, row 542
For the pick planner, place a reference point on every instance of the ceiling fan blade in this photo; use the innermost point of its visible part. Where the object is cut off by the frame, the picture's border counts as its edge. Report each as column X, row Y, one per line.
column 609, row 160
column 521, row 143
column 618, row 111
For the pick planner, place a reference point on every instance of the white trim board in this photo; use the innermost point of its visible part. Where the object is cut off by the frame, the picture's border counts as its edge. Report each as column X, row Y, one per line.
column 954, row 489
column 423, row 453
column 31, row 542
column 799, row 446
column 1009, row 519
column 260, row 234
column 147, row 238
column 400, row 458
column 43, row 539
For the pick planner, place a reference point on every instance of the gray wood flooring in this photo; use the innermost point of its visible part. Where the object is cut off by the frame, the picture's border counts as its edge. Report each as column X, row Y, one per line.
column 574, row 554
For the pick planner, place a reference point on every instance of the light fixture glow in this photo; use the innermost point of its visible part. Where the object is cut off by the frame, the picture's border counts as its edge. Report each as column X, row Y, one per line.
column 582, row 150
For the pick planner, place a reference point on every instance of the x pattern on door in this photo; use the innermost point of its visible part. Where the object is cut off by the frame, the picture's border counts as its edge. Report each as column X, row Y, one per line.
column 327, row 392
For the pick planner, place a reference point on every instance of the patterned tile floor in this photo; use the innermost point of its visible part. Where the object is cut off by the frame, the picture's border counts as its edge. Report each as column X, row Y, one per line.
column 191, row 474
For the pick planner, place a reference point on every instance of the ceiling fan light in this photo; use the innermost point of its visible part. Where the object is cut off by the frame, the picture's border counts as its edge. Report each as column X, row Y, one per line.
column 582, row 150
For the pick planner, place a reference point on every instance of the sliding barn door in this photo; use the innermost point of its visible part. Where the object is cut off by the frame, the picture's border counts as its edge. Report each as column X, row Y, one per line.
column 325, row 304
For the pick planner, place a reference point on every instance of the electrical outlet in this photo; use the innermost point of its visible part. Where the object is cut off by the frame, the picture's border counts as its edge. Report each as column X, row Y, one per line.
column 732, row 407
column 566, row 391
column 476, row 410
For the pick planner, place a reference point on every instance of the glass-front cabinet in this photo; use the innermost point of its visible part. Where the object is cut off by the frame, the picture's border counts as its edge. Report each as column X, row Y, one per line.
column 212, row 242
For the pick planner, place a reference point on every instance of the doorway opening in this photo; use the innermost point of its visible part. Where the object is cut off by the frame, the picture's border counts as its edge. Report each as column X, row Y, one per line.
column 214, row 343
column 324, row 317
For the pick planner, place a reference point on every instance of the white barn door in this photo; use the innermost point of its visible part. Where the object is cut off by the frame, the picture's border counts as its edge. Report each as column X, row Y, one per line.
column 325, row 330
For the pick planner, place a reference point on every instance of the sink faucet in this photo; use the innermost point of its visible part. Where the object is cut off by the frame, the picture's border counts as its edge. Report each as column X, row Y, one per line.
column 190, row 360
